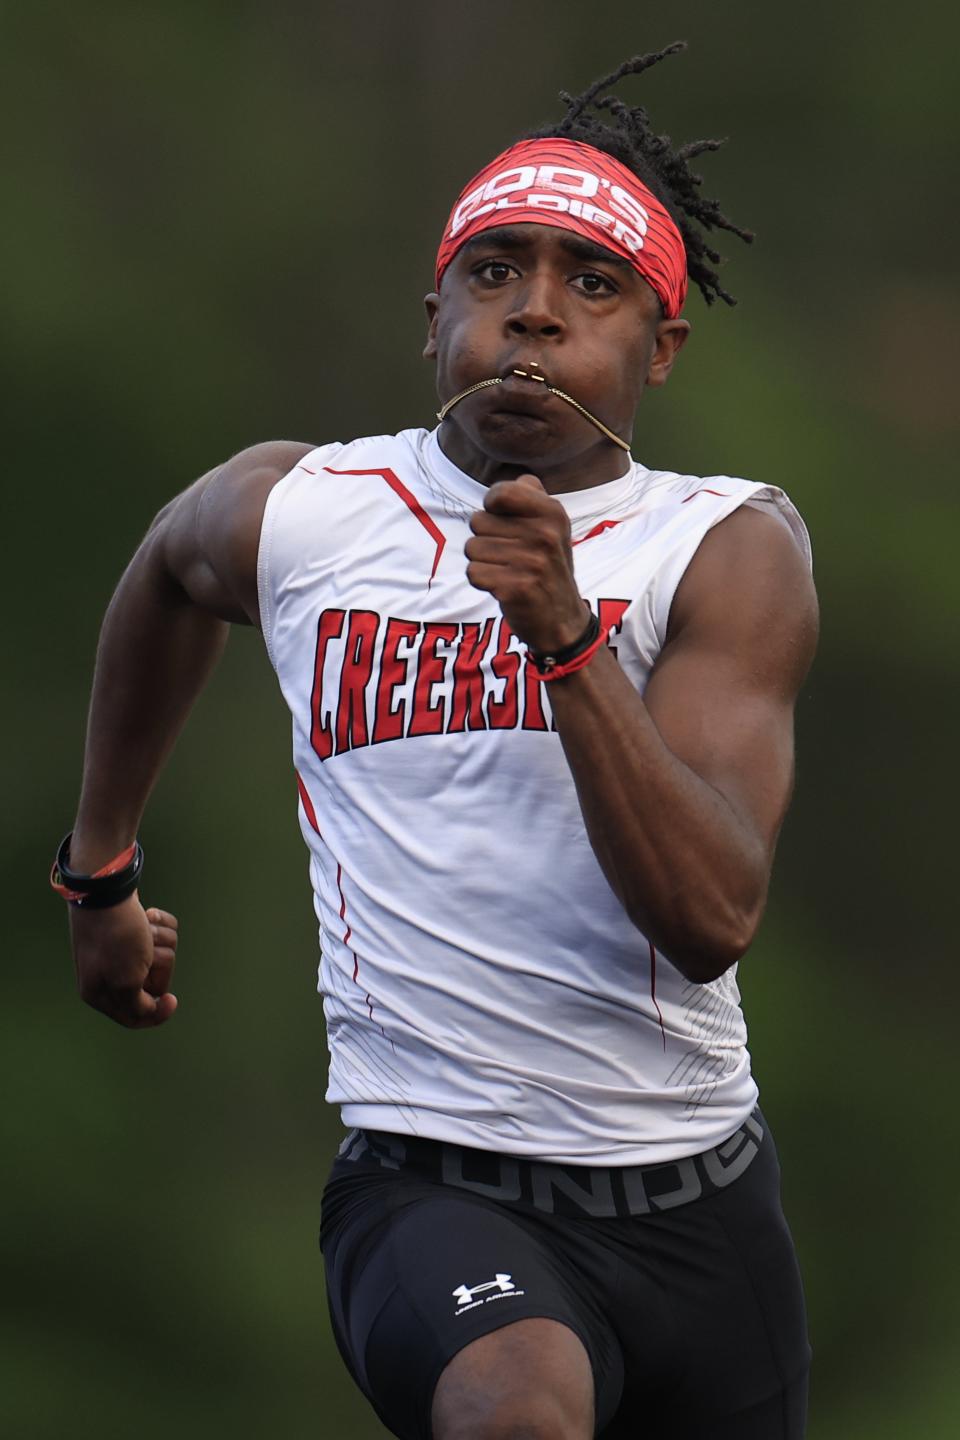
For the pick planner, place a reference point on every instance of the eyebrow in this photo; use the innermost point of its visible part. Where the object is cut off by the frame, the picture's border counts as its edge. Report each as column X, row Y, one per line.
column 508, row 237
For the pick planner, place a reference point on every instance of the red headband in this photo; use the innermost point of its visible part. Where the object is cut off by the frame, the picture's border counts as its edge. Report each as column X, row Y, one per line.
column 575, row 187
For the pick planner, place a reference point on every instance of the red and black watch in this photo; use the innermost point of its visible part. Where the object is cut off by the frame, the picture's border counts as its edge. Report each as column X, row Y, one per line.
column 107, row 886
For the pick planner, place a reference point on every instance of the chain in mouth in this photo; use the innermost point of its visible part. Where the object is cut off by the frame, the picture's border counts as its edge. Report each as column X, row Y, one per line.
column 445, row 409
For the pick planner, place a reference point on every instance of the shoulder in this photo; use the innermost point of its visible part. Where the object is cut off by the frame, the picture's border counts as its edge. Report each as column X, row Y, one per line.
column 749, row 587
column 759, row 537
column 251, row 474
column 247, row 476
column 210, row 533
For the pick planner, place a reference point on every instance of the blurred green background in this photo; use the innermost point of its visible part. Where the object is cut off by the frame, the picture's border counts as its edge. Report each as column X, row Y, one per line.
column 219, row 224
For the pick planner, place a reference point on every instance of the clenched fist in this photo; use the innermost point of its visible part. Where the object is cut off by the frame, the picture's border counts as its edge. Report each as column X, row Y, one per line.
column 520, row 552
column 124, row 957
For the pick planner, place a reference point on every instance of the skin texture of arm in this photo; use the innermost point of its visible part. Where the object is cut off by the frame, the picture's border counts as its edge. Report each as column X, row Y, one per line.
column 163, row 633
column 682, row 791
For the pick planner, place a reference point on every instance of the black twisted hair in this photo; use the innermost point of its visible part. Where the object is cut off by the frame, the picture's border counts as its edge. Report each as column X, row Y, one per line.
column 664, row 170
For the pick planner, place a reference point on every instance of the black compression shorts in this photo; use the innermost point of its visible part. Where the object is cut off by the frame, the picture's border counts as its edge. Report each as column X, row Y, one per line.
column 680, row 1279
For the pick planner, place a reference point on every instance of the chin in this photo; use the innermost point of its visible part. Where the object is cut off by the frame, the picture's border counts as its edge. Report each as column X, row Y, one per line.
column 518, row 439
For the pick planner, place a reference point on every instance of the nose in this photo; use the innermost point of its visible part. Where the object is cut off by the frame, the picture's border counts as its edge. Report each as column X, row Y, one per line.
column 538, row 309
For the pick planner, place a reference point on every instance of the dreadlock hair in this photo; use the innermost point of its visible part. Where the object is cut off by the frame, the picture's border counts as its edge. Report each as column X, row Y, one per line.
column 651, row 157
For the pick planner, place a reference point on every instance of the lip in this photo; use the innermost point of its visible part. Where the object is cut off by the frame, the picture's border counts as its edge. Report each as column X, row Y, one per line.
column 516, row 396
column 534, row 373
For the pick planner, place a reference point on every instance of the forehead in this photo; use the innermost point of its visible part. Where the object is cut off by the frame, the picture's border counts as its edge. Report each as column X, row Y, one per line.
column 532, row 237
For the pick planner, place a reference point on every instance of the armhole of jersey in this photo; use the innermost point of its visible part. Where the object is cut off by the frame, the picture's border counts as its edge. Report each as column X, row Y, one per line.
column 771, row 498
column 266, row 577
column 672, row 571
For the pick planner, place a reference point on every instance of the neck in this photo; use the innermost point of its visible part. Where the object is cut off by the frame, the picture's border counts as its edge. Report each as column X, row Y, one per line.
column 597, row 464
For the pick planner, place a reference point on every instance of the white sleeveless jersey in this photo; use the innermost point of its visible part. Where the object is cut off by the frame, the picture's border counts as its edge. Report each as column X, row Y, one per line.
column 481, row 982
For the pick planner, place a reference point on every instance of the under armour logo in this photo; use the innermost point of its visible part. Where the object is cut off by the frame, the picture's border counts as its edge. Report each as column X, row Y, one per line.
column 465, row 1293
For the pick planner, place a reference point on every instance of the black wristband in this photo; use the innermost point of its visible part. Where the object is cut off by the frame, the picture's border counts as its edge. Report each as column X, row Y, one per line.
column 95, row 892
column 544, row 664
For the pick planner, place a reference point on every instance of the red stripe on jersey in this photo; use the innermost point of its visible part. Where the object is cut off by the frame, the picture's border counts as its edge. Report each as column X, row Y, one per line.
column 412, row 504
column 343, row 916
column 346, row 940
column 598, row 530
column 706, row 491
column 307, row 804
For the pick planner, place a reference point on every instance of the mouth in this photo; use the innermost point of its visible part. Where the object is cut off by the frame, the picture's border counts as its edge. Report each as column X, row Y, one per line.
column 528, row 372
column 520, row 394
column 525, row 388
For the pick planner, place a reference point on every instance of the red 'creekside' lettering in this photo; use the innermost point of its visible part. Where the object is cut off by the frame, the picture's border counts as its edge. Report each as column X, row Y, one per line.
column 505, row 665
column 329, row 627
column 357, row 665
column 387, row 721
column 610, row 614
column 427, row 719
column 533, row 714
column 472, row 661
column 466, row 712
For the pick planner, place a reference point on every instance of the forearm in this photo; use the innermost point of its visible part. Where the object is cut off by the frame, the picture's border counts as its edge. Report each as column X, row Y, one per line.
column 688, row 870
column 156, row 650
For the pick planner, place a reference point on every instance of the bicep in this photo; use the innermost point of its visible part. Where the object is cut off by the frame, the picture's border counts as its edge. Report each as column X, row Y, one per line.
column 742, row 635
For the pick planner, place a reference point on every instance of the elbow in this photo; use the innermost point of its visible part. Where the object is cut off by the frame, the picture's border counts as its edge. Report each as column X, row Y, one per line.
column 709, row 960
column 705, row 946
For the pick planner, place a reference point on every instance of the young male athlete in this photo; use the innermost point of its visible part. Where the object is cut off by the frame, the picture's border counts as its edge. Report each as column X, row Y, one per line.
column 542, row 725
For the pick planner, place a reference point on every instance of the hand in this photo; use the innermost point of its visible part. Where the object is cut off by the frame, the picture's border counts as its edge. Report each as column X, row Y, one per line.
column 124, row 957
column 520, row 552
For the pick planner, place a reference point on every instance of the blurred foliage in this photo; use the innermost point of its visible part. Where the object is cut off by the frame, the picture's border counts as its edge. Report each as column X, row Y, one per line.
column 220, row 221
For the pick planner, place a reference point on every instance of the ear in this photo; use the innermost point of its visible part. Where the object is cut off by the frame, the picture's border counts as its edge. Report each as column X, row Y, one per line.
column 669, row 337
column 432, row 306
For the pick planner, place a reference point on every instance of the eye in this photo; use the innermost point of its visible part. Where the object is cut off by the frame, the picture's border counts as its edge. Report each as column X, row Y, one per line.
column 495, row 272
column 591, row 282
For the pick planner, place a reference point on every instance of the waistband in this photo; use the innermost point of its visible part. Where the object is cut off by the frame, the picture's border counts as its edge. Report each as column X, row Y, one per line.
column 575, row 1190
